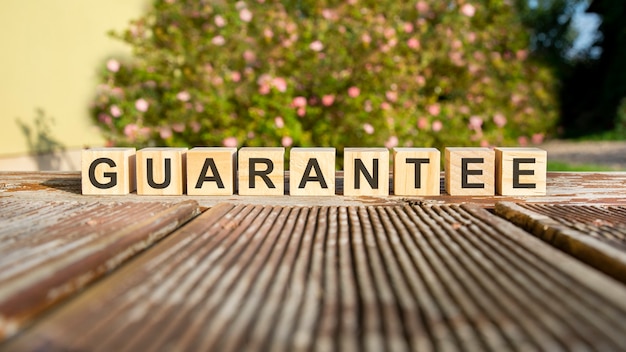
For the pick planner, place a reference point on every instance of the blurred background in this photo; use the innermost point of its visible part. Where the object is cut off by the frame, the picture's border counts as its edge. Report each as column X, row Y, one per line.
column 425, row 73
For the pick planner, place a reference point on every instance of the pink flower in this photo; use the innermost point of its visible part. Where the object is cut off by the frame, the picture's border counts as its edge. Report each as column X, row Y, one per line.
column 408, row 27
column 475, row 123
column 316, row 46
column 230, row 142
column 279, row 122
column 178, row 127
column 328, row 100
column 264, row 89
column 385, row 105
column 113, row 65
column 183, row 96
column 522, row 141
column 245, row 15
column 413, row 43
column 434, row 109
column 115, row 111
column 437, row 126
column 299, row 102
column 195, row 126
column 537, row 138
column 421, row 6
column 484, row 143
column 218, row 40
column 249, row 56
column 369, row 129
column 392, row 96
column 165, row 132
column 499, row 120
column 468, row 10
column 142, row 105
column 199, row 107
column 130, row 131
column 422, row 123
column 104, row 118
column 420, row 80
column 354, row 92
column 219, row 21
column 365, row 38
column 268, row 33
column 287, row 141
column 391, row 142
column 235, row 76
column 280, row 84
column 301, row 111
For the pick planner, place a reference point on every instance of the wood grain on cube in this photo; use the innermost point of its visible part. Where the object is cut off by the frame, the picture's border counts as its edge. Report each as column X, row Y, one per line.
column 211, row 171
column 521, row 171
column 108, row 171
column 416, row 171
column 161, row 171
column 366, row 172
column 470, row 171
column 312, row 171
column 261, row 171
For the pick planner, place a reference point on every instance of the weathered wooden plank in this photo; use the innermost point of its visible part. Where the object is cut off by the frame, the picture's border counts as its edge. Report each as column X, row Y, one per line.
column 241, row 277
column 578, row 188
column 593, row 234
column 49, row 250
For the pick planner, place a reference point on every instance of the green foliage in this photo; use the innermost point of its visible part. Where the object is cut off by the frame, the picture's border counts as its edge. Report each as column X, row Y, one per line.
column 326, row 73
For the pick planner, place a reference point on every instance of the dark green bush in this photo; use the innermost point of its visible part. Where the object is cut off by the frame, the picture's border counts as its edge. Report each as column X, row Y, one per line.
column 326, row 73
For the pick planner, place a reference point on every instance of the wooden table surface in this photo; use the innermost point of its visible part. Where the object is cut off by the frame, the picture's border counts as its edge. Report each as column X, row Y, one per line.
column 312, row 273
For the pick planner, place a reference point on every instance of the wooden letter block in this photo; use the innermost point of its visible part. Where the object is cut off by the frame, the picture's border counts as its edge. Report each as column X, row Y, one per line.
column 312, row 171
column 211, row 171
column 470, row 171
column 521, row 171
column 108, row 171
column 161, row 171
column 416, row 171
column 261, row 171
column 366, row 172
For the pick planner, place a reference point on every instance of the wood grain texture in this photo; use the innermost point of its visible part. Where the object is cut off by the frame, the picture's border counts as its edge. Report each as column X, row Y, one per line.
column 245, row 277
column 261, row 171
column 470, row 171
column 112, row 169
column 594, row 234
column 161, row 171
column 521, row 171
column 304, row 166
column 406, row 161
column 49, row 250
column 211, row 171
column 366, row 172
column 574, row 188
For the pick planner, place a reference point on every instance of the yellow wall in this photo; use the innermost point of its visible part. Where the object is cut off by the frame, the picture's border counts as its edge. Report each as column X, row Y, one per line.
column 51, row 51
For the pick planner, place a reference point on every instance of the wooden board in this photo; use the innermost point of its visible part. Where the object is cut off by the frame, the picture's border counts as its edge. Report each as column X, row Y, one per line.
column 248, row 277
column 593, row 234
column 51, row 249
column 572, row 188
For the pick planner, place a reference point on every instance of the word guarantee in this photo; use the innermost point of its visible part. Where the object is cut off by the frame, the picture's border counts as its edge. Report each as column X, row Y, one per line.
column 220, row 171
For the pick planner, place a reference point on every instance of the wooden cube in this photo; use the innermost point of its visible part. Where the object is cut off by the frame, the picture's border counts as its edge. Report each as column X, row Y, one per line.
column 521, row 171
column 416, row 171
column 312, row 171
column 470, row 171
column 161, row 171
column 211, row 171
column 108, row 171
column 261, row 171
column 366, row 172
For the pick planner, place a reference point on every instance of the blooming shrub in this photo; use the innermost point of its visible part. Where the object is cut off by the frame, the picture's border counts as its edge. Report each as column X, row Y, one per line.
column 326, row 73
